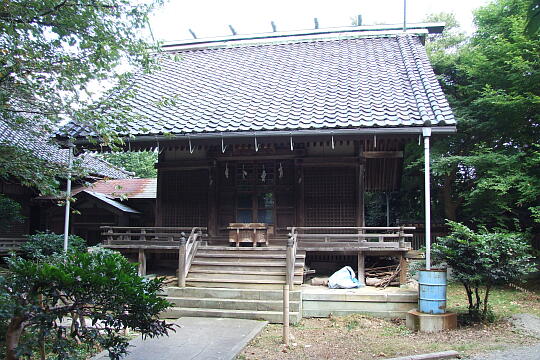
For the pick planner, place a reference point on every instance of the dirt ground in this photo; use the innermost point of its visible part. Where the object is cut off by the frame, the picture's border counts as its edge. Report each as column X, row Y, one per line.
column 362, row 337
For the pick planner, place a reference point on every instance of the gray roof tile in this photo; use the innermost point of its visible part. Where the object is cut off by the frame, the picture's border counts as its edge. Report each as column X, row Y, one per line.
column 340, row 83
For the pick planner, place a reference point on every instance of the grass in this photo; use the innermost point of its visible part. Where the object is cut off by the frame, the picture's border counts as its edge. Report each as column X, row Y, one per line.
column 363, row 337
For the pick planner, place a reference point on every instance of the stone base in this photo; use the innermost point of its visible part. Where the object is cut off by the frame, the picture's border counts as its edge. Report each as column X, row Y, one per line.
column 418, row 321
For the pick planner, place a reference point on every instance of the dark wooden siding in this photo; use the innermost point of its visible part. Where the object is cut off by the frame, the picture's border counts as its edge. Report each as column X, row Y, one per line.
column 184, row 198
column 330, row 196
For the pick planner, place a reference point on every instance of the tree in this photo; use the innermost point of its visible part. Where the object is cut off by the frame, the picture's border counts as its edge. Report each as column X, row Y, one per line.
column 533, row 18
column 101, row 286
column 141, row 163
column 44, row 244
column 489, row 172
column 482, row 260
column 53, row 53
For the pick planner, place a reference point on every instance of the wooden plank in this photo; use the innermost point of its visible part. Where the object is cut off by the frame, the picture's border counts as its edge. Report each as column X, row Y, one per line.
column 361, row 267
column 404, row 266
column 382, row 154
column 142, row 262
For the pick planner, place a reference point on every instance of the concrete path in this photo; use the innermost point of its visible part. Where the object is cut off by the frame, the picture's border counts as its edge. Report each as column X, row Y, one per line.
column 196, row 339
column 521, row 353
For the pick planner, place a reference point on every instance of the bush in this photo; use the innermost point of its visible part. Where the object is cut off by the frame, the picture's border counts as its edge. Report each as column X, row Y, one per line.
column 100, row 286
column 482, row 260
column 46, row 244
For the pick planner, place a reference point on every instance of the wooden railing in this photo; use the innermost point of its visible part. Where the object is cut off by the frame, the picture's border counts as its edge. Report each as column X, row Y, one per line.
column 356, row 238
column 9, row 244
column 156, row 238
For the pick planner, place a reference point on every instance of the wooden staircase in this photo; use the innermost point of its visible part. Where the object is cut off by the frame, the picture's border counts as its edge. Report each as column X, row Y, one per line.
column 242, row 282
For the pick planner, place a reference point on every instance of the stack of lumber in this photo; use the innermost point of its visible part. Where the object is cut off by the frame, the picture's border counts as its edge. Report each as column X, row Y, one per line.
column 383, row 276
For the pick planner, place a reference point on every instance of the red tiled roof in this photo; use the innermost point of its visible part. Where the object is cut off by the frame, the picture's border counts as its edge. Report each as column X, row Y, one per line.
column 130, row 188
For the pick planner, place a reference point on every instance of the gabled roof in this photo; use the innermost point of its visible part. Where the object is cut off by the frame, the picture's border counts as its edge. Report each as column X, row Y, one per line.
column 370, row 81
column 43, row 148
column 116, row 204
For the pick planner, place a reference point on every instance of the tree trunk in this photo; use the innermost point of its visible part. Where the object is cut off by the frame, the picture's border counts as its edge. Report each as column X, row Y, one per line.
column 450, row 206
column 13, row 334
column 484, row 312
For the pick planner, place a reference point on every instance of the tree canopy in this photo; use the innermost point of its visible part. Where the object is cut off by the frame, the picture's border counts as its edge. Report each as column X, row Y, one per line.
column 55, row 56
column 489, row 172
column 139, row 162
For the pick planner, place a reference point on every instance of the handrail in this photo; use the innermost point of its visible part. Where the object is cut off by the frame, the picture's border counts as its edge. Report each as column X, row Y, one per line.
column 362, row 236
column 186, row 253
column 292, row 245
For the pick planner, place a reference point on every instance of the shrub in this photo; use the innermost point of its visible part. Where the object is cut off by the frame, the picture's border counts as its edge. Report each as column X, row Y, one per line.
column 100, row 286
column 46, row 244
column 482, row 260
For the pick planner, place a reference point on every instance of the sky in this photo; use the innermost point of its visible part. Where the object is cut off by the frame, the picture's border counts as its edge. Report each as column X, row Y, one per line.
column 211, row 18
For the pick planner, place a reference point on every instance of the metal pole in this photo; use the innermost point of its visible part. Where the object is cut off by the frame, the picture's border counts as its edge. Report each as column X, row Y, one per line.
column 68, row 196
column 404, row 15
column 427, row 195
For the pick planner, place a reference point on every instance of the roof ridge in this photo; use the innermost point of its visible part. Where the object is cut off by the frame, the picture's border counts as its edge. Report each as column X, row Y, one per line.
column 410, row 72
column 429, row 91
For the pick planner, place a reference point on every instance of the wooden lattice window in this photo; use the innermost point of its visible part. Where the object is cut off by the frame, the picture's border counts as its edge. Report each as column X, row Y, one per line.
column 184, row 198
column 330, row 196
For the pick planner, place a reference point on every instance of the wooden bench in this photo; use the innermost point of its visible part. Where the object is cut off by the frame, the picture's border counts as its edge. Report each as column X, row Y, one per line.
column 253, row 233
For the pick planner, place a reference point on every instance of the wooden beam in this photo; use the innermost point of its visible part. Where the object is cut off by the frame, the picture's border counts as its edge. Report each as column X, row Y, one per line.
column 142, row 262
column 404, row 265
column 361, row 186
column 383, row 154
column 361, row 268
column 299, row 193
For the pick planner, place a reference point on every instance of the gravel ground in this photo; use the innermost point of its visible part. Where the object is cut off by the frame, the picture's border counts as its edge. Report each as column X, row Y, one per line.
column 522, row 353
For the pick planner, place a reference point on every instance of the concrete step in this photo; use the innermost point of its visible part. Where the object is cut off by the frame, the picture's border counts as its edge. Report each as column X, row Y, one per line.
column 223, row 293
column 233, row 304
column 237, row 284
column 271, row 316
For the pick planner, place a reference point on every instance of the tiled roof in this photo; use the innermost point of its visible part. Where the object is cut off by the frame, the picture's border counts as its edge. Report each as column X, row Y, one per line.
column 373, row 81
column 44, row 149
column 130, row 188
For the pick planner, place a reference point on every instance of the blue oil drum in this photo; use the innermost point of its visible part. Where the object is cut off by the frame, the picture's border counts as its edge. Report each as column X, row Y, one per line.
column 432, row 291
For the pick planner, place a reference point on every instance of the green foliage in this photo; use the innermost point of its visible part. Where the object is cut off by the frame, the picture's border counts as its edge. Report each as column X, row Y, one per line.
column 488, row 173
column 45, row 244
column 100, row 290
column 52, row 56
column 10, row 213
column 533, row 18
column 481, row 260
column 141, row 163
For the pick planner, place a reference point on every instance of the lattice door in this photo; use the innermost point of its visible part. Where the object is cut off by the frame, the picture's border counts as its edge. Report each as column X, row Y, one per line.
column 330, row 197
column 184, row 197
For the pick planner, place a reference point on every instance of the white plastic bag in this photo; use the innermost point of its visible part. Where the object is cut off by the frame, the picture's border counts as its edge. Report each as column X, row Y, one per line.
column 343, row 279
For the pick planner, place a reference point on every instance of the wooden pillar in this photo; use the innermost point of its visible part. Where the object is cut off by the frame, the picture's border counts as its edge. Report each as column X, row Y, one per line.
column 159, row 196
column 299, row 193
column 404, row 266
column 182, row 262
column 212, row 200
column 142, row 262
column 286, row 321
column 361, row 267
column 361, row 186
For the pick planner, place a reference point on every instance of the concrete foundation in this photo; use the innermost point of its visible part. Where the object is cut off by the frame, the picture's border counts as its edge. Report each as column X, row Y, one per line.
column 418, row 321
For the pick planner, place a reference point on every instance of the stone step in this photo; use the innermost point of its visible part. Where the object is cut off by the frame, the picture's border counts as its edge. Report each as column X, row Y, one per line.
column 239, row 270
column 242, row 276
column 223, row 293
column 232, row 304
column 236, row 284
column 271, row 316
